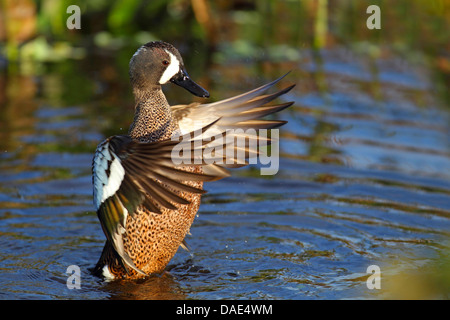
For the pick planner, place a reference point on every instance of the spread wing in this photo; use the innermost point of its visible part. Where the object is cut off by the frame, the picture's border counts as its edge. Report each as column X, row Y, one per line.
column 128, row 174
column 239, row 112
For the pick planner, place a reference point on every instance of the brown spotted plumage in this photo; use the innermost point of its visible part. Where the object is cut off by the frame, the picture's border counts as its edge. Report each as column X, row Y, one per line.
column 145, row 202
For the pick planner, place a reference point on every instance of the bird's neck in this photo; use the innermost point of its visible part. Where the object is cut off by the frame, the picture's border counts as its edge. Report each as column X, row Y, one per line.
column 153, row 120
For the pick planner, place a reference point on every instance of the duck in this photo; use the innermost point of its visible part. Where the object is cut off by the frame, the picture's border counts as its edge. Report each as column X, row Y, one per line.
column 146, row 195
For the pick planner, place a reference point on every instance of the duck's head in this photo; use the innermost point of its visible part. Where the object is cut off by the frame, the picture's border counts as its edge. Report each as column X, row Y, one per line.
column 156, row 63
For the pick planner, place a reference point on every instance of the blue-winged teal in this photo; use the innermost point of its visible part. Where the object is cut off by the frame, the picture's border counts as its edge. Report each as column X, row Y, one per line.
column 145, row 203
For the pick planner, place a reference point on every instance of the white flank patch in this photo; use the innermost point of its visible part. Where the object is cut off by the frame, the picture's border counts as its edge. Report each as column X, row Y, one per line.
column 172, row 69
column 106, row 273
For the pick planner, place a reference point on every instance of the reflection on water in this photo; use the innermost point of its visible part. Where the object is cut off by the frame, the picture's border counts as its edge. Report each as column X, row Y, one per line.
column 364, row 179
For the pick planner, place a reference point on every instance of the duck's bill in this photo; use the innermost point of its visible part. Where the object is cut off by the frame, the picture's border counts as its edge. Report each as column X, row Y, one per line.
column 183, row 80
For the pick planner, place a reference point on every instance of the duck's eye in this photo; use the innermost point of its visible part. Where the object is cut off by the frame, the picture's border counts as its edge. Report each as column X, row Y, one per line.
column 165, row 62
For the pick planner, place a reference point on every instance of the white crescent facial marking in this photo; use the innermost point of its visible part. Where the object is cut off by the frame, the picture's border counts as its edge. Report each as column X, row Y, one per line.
column 172, row 69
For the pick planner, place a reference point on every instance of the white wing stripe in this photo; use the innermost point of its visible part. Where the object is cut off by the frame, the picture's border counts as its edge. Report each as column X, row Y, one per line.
column 104, row 186
column 115, row 179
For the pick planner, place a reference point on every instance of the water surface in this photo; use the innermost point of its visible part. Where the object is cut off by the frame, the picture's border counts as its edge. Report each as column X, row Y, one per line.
column 363, row 180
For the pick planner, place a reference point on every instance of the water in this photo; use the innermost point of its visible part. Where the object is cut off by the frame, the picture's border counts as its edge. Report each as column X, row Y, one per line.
column 363, row 180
